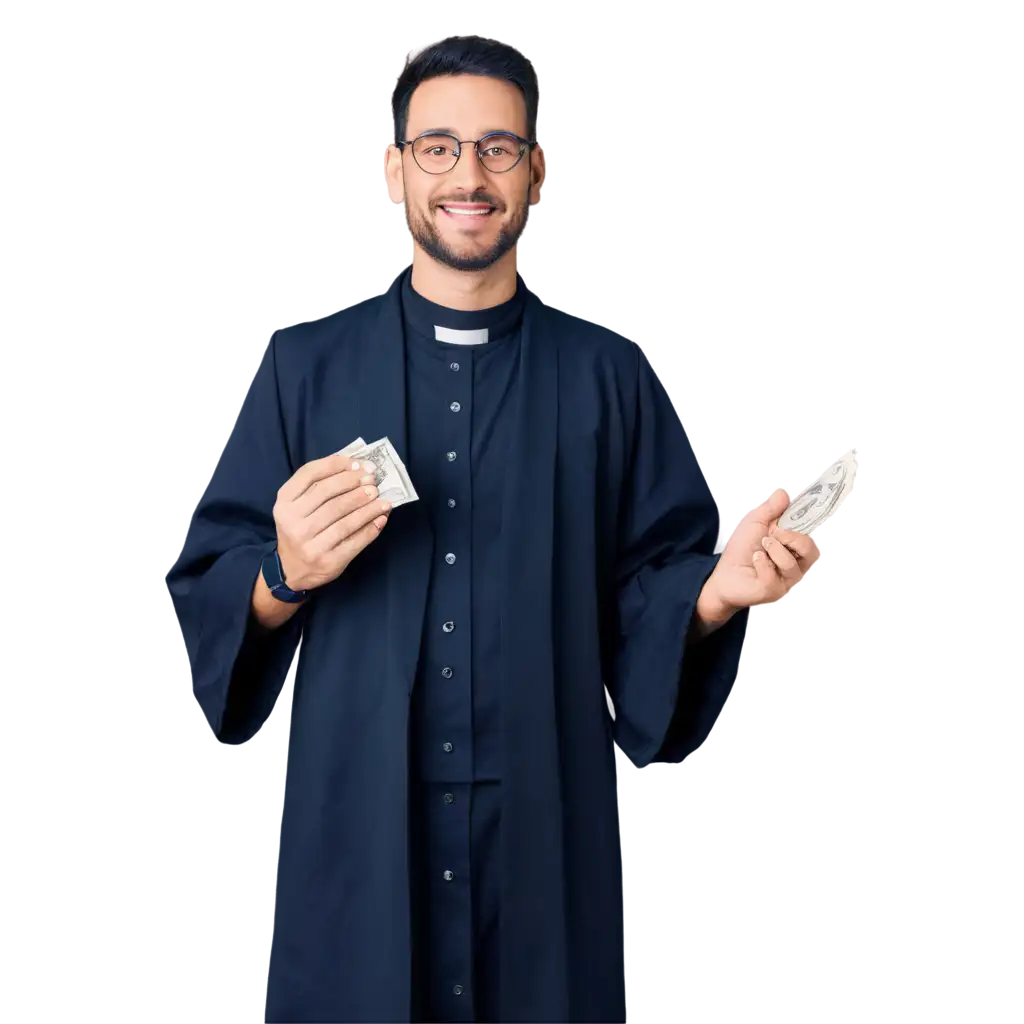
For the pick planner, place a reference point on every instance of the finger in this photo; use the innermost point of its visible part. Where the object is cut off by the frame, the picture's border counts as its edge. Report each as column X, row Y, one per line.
column 799, row 544
column 770, row 507
column 335, row 535
column 767, row 573
column 782, row 557
column 338, row 507
column 312, row 472
column 322, row 491
column 355, row 542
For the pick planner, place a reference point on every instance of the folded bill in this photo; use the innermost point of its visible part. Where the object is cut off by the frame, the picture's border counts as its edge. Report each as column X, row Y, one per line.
column 392, row 478
column 819, row 501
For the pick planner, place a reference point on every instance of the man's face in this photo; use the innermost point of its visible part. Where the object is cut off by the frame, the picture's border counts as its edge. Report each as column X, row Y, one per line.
column 466, row 106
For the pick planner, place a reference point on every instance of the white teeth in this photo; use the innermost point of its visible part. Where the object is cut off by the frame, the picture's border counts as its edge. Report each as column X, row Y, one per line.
column 465, row 213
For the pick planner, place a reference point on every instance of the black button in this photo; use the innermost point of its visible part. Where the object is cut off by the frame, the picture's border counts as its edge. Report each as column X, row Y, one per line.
column 457, row 990
column 446, row 672
column 449, row 798
column 446, row 747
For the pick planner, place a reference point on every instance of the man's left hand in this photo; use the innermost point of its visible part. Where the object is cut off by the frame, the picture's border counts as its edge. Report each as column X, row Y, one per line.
column 761, row 563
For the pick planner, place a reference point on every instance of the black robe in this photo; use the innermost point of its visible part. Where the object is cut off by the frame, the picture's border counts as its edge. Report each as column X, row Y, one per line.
column 609, row 535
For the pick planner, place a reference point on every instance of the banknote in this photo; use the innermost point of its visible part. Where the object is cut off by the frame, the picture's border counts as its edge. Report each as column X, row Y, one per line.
column 816, row 503
column 392, row 478
column 352, row 446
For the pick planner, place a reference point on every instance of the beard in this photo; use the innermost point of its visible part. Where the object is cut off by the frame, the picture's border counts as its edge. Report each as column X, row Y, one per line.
column 429, row 239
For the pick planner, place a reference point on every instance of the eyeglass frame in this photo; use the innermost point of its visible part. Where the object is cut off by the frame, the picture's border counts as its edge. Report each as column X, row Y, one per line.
column 529, row 144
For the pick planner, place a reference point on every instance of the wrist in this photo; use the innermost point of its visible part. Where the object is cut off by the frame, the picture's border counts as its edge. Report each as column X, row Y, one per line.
column 267, row 610
column 711, row 611
column 283, row 582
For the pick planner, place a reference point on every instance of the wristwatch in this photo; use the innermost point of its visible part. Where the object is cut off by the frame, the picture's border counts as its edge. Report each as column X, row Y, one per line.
column 272, row 573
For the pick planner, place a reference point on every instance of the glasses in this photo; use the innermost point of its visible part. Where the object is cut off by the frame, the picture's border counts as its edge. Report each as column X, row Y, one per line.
column 437, row 153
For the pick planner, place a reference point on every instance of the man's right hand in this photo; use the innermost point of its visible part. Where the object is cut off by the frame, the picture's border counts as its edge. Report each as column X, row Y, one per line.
column 326, row 513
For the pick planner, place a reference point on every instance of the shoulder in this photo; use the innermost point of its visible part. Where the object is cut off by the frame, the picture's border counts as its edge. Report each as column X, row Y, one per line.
column 306, row 343
column 328, row 348
column 584, row 340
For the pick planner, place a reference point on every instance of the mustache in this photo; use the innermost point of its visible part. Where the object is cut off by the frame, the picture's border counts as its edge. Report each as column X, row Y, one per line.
column 469, row 199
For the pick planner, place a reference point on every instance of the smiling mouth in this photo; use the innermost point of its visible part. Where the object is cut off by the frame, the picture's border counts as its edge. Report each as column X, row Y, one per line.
column 468, row 211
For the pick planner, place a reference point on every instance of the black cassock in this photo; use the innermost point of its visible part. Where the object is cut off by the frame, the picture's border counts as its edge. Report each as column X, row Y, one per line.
column 607, row 535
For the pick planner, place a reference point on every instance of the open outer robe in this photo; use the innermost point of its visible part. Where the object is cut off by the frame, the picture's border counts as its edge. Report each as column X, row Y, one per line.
column 609, row 531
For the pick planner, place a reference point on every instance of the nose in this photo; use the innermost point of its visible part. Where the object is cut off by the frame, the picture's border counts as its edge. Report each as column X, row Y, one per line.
column 468, row 173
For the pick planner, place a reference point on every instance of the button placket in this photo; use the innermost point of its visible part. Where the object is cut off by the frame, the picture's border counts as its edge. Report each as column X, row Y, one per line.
column 450, row 944
column 454, row 715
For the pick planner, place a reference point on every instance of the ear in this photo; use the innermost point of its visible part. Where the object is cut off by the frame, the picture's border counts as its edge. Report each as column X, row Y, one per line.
column 394, row 173
column 537, row 174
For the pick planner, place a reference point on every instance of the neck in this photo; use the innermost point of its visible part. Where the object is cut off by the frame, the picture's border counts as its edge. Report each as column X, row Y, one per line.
column 464, row 289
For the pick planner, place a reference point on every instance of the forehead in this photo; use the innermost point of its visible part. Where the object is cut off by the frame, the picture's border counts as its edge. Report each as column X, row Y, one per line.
column 468, row 104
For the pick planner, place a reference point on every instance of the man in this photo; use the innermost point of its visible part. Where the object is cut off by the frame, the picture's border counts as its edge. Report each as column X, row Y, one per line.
column 449, row 842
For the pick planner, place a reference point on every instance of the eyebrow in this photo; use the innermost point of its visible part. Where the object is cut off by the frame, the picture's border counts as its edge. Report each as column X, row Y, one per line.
column 452, row 131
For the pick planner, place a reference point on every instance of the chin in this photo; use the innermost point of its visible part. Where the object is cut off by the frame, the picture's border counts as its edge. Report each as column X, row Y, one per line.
column 468, row 241
column 461, row 246
column 459, row 249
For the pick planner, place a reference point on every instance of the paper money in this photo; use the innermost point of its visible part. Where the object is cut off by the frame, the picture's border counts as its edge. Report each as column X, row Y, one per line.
column 392, row 478
column 352, row 447
column 819, row 501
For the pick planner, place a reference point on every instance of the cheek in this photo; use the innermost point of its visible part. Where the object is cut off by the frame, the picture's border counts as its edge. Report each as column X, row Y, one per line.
column 420, row 206
column 514, row 199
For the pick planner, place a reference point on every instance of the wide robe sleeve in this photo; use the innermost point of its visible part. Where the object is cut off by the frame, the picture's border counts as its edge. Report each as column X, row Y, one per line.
column 238, row 666
column 667, row 687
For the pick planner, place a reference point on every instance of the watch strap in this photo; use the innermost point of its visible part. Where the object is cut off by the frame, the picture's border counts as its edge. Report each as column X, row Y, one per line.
column 274, row 577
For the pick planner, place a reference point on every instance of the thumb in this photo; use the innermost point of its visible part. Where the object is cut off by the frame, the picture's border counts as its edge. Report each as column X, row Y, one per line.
column 772, row 505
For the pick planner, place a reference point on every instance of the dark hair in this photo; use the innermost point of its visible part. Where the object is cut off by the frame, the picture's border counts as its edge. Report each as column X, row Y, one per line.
column 465, row 55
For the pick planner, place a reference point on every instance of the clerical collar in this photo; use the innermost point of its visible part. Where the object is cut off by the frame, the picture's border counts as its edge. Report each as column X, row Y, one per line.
column 445, row 328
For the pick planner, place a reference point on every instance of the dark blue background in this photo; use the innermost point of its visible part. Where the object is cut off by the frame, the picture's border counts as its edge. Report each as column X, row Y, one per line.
column 170, row 184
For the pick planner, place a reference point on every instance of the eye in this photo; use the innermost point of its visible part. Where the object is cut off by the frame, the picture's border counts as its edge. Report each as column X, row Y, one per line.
column 432, row 145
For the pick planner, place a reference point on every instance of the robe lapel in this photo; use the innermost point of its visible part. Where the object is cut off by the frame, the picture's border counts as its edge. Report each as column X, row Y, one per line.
column 409, row 538
column 533, row 962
